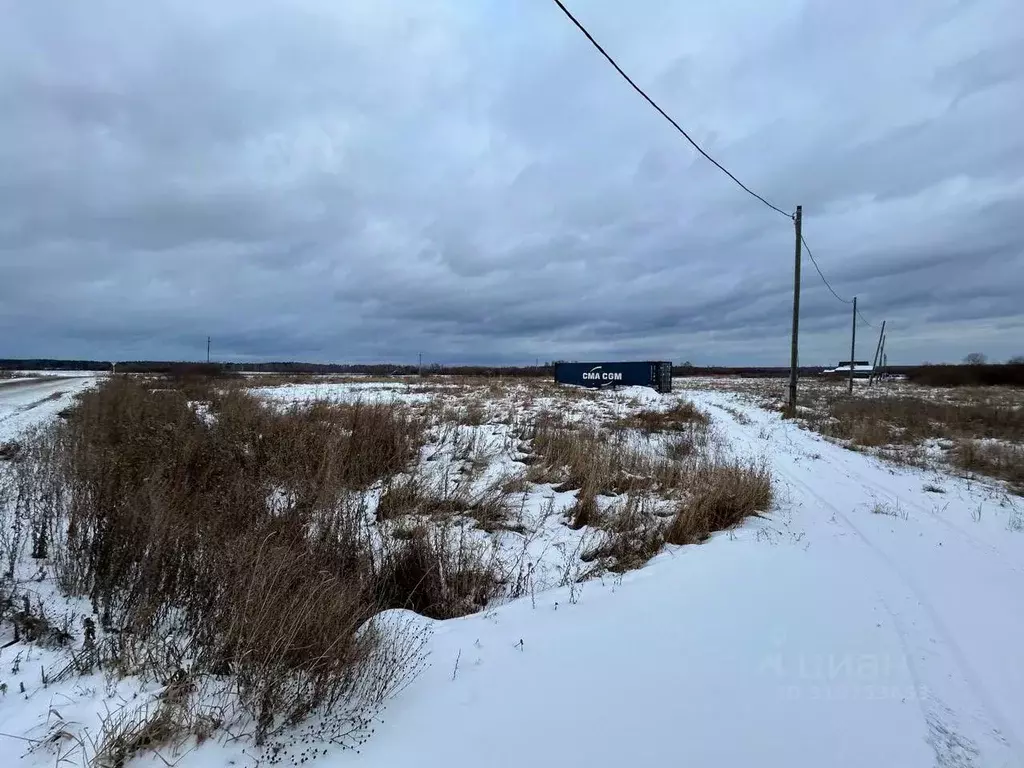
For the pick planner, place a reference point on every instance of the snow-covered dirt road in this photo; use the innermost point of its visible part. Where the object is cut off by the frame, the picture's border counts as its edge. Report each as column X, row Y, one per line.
column 30, row 400
column 941, row 557
column 868, row 621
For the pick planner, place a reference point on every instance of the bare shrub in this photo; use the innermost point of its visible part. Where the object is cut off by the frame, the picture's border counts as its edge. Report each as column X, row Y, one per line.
column 286, row 623
column 722, row 496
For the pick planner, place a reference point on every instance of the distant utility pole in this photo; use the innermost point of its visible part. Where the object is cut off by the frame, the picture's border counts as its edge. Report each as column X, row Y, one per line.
column 875, row 362
column 793, row 355
column 421, row 364
column 853, row 342
column 207, row 349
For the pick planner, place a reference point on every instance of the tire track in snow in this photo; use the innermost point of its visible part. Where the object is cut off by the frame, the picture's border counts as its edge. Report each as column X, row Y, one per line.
column 952, row 749
column 901, row 496
column 987, row 712
column 970, row 538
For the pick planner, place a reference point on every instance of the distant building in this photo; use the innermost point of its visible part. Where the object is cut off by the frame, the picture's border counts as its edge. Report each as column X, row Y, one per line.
column 862, row 369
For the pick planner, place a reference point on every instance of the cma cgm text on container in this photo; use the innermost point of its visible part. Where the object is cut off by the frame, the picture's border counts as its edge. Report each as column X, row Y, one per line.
column 648, row 373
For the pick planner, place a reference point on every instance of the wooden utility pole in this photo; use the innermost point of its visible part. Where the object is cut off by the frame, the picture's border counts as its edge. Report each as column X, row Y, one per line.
column 853, row 343
column 207, row 349
column 793, row 354
column 878, row 349
column 421, row 364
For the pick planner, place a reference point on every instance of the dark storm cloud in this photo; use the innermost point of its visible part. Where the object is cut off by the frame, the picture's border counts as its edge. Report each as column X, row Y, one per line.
column 361, row 181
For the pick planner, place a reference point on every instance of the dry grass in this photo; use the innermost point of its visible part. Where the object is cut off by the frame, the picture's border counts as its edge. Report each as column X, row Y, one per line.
column 722, row 496
column 577, row 457
column 632, row 534
column 131, row 731
column 688, row 443
column 584, row 512
column 681, row 417
column 987, row 425
column 30, row 621
column 439, row 573
column 416, row 496
column 714, row 495
column 1002, row 460
column 881, row 420
column 237, row 538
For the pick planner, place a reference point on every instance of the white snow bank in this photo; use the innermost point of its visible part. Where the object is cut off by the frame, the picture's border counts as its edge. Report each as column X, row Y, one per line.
column 698, row 656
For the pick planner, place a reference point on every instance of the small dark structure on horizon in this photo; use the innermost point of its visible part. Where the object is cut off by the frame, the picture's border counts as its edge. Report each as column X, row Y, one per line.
column 650, row 373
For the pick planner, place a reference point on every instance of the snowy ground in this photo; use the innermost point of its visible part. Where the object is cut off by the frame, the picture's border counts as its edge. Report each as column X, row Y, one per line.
column 31, row 400
column 867, row 623
column 872, row 619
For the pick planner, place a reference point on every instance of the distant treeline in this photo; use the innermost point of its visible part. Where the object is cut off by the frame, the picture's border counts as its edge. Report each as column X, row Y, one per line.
column 1006, row 374
column 752, row 372
column 176, row 367
column 13, row 364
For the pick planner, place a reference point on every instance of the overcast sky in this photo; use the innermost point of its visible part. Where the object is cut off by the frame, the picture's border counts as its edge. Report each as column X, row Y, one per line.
column 345, row 180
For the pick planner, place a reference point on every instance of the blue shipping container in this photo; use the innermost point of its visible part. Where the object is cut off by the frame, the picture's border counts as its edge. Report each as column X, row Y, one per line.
column 657, row 374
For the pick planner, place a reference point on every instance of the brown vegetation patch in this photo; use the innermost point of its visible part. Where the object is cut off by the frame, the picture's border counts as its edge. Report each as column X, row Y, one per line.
column 680, row 417
column 721, row 497
column 1002, row 460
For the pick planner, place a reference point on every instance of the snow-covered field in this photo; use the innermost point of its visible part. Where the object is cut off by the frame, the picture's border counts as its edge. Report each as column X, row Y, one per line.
column 871, row 618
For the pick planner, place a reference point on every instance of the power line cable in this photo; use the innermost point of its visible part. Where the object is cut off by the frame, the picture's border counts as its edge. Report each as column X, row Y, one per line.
column 663, row 113
column 700, row 149
column 829, row 286
column 821, row 275
column 870, row 325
